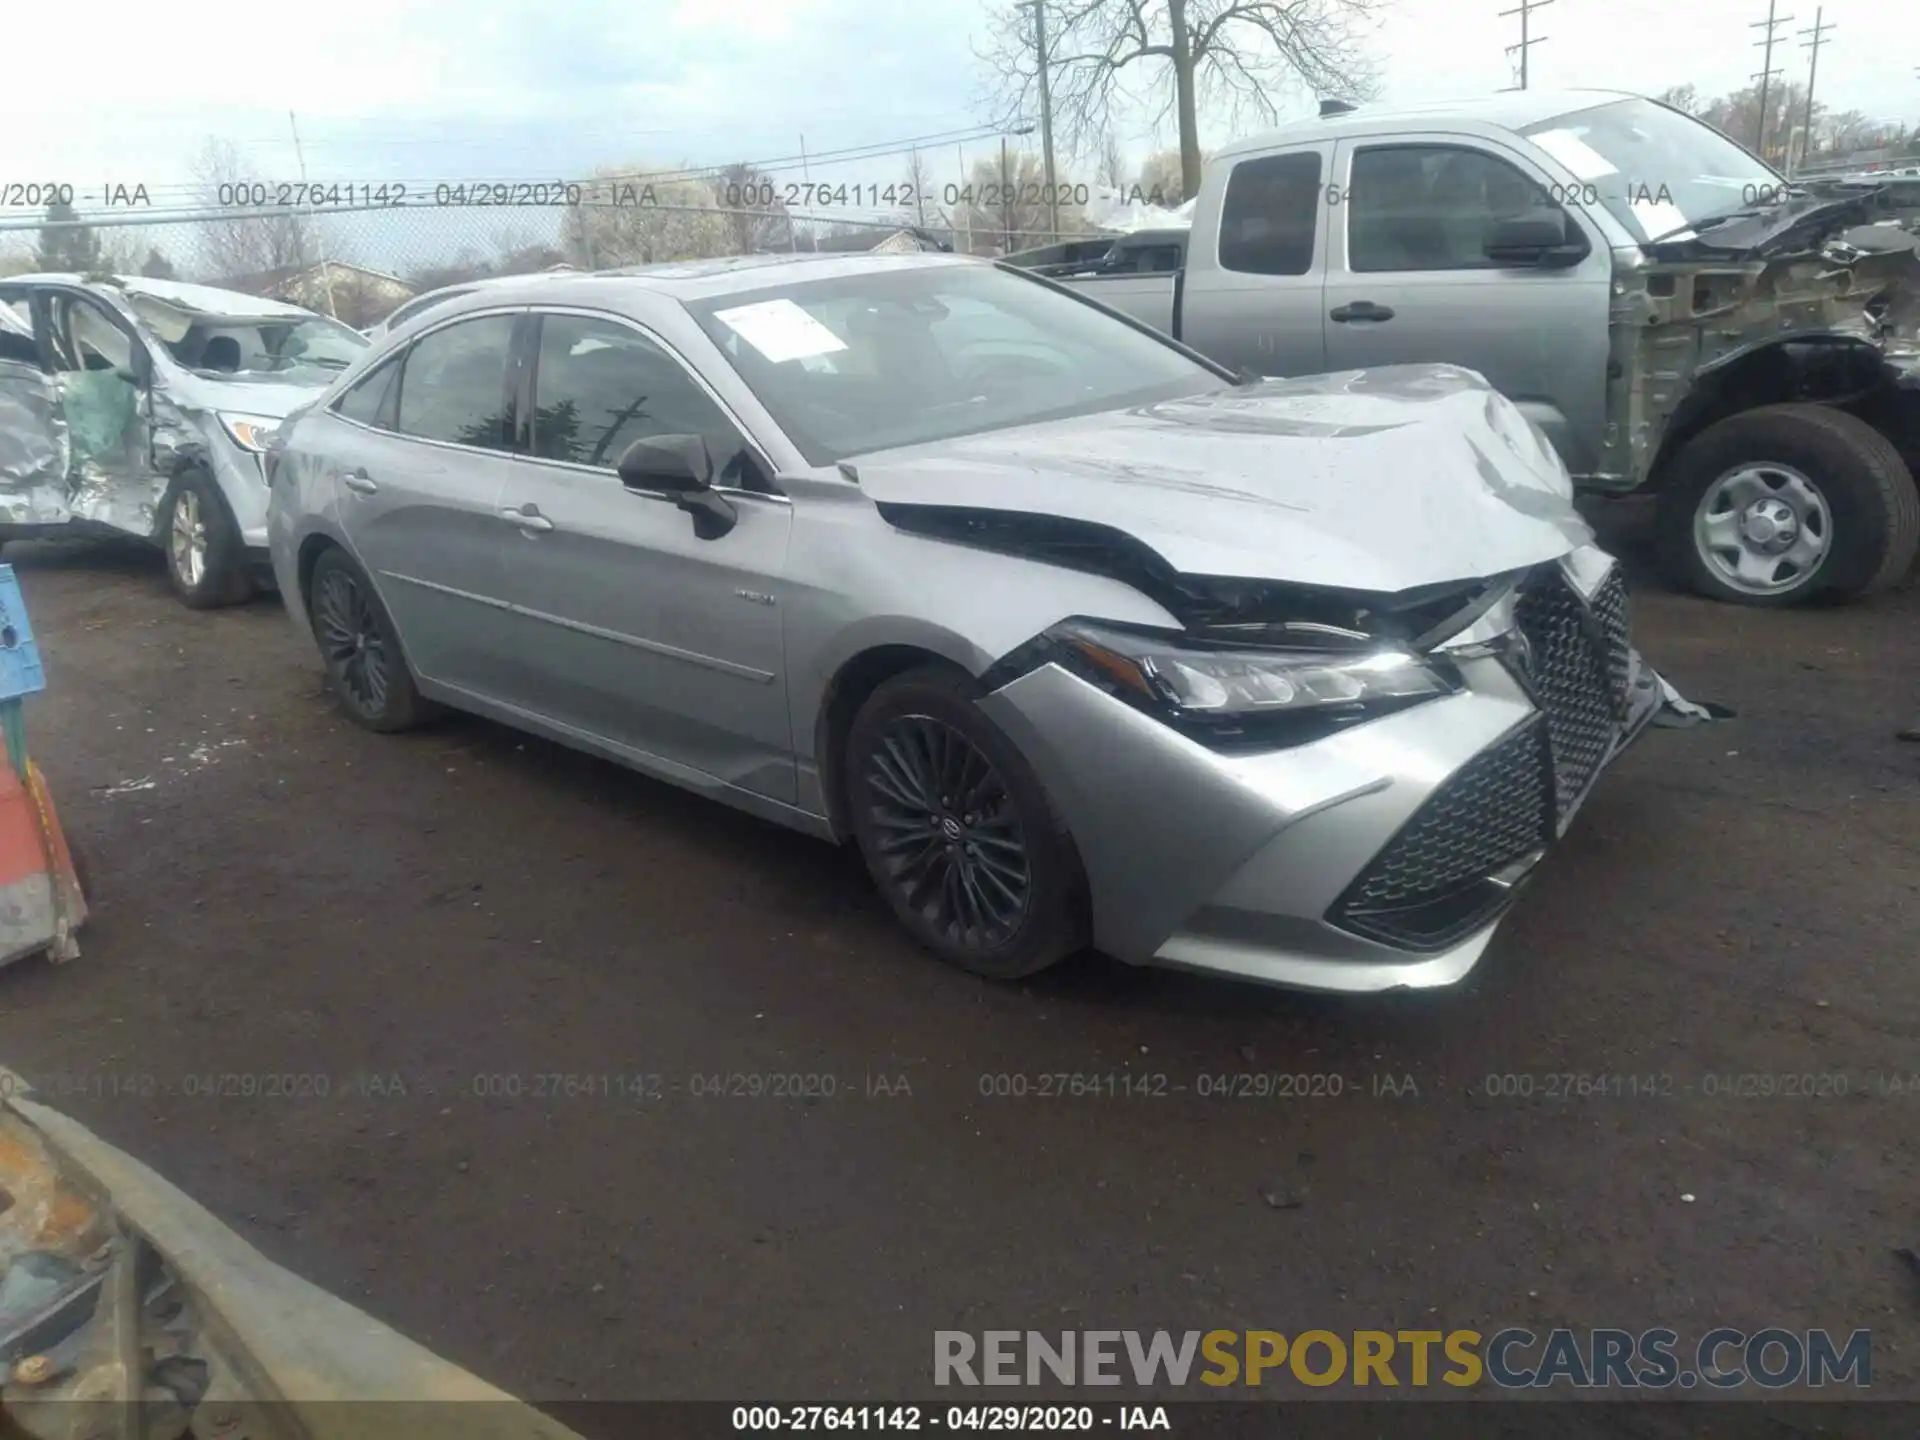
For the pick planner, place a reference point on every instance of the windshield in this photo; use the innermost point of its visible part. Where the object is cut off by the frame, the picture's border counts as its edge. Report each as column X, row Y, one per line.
column 870, row 362
column 1654, row 169
column 312, row 349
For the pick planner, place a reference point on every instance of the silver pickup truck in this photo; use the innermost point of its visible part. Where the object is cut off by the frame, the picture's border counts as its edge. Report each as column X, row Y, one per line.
column 1673, row 314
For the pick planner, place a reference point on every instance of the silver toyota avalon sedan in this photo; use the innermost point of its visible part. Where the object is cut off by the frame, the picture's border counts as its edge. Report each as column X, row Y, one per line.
column 1081, row 640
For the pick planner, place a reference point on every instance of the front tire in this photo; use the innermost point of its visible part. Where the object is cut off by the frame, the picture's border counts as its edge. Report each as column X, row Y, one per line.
column 206, row 558
column 957, row 830
column 1788, row 504
column 366, row 670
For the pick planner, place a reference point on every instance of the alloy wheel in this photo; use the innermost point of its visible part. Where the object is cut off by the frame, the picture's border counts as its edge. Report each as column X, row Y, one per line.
column 187, row 540
column 351, row 640
column 946, row 832
column 1763, row 528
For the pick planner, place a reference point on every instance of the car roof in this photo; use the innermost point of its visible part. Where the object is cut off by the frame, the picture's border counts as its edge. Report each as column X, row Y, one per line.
column 1507, row 110
column 696, row 280
column 207, row 299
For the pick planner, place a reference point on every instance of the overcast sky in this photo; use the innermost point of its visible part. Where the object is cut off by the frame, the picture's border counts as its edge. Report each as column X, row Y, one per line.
column 406, row 90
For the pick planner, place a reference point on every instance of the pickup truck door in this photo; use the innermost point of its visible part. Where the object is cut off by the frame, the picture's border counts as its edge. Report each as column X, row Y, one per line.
column 1251, row 297
column 1407, row 280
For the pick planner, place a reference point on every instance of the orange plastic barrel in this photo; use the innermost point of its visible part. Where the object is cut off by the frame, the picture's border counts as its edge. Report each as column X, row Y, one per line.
column 41, row 906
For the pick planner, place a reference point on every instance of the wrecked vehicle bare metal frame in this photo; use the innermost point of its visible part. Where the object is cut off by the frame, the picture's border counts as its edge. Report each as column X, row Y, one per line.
column 1079, row 640
column 141, row 407
column 1679, row 319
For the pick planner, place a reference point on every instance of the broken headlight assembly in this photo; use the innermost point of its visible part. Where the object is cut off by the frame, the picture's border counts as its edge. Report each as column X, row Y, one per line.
column 1236, row 696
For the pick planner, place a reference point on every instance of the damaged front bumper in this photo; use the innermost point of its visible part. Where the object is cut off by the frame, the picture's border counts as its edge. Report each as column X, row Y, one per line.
column 1382, row 857
column 128, row 1309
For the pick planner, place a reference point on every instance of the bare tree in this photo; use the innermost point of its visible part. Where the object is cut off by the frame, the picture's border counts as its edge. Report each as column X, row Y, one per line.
column 921, row 195
column 1110, row 163
column 238, row 246
column 1682, row 97
column 629, row 215
column 1242, row 52
column 1738, row 115
column 1002, row 205
column 1159, row 181
column 756, row 216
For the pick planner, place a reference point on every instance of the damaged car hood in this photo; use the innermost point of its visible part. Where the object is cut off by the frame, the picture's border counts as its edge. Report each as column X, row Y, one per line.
column 273, row 399
column 1377, row 480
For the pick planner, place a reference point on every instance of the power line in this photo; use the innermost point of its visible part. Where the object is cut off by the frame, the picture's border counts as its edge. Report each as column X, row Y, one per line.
column 1527, row 40
column 1767, row 72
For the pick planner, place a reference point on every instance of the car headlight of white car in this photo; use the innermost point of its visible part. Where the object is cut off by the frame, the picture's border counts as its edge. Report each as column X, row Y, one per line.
column 250, row 432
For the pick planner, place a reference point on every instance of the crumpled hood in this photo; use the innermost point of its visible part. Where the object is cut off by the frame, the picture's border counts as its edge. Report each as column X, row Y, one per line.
column 273, row 399
column 1376, row 480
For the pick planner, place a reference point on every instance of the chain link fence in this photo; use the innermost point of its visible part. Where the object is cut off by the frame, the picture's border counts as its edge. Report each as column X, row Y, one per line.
column 359, row 261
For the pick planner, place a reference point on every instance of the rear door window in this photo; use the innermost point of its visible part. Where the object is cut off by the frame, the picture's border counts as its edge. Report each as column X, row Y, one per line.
column 454, row 386
column 1270, row 214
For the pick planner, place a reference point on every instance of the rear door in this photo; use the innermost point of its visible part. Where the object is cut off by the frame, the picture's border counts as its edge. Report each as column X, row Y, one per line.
column 630, row 627
column 1252, row 291
column 1407, row 280
column 419, row 455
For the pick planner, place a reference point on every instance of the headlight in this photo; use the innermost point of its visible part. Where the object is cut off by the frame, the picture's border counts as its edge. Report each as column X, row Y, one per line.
column 1237, row 695
column 250, row 432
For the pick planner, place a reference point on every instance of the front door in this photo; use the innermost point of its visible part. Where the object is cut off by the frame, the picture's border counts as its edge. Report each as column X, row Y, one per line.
column 633, row 629
column 1408, row 281
column 103, row 374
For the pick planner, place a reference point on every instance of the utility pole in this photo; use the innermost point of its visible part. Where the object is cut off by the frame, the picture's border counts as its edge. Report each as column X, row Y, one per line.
column 1812, row 43
column 1527, row 40
column 1039, row 8
column 966, row 200
column 1767, row 72
column 326, row 270
column 1006, row 202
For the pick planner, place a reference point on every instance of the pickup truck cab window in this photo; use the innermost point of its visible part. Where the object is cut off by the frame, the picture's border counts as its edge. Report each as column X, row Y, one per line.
column 1429, row 207
column 1268, row 218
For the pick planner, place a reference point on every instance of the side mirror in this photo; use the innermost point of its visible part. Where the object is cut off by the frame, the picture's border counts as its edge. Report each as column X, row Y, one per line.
column 680, row 466
column 1541, row 238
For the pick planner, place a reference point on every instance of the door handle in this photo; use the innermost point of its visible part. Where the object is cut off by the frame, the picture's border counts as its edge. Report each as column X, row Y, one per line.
column 1360, row 310
column 529, row 520
column 359, row 482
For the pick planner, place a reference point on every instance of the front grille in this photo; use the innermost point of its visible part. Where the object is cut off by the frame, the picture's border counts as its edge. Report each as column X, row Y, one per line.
column 1573, row 674
column 1432, row 884
column 1488, row 814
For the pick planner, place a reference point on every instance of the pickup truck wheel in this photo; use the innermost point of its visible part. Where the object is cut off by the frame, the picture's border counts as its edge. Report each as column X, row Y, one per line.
column 1788, row 504
column 206, row 559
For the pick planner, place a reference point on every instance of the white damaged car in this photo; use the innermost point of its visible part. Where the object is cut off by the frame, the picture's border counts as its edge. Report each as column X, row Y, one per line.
column 131, row 406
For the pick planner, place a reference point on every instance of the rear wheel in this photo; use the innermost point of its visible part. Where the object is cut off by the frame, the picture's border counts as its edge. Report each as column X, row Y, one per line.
column 366, row 670
column 206, row 558
column 1788, row 504
column 958, row 832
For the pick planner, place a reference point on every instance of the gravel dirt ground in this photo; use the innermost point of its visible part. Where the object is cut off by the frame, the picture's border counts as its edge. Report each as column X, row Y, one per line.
column 434, row 922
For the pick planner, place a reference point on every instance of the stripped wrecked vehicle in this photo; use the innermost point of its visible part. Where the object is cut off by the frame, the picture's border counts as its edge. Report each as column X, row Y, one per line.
column 132, row 406
column 936, row 557
column 127, row 1309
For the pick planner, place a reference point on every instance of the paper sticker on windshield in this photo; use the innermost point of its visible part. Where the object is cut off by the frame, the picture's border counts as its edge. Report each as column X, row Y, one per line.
column 1571, row 151
column 1661, row 219
column 780, row 330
